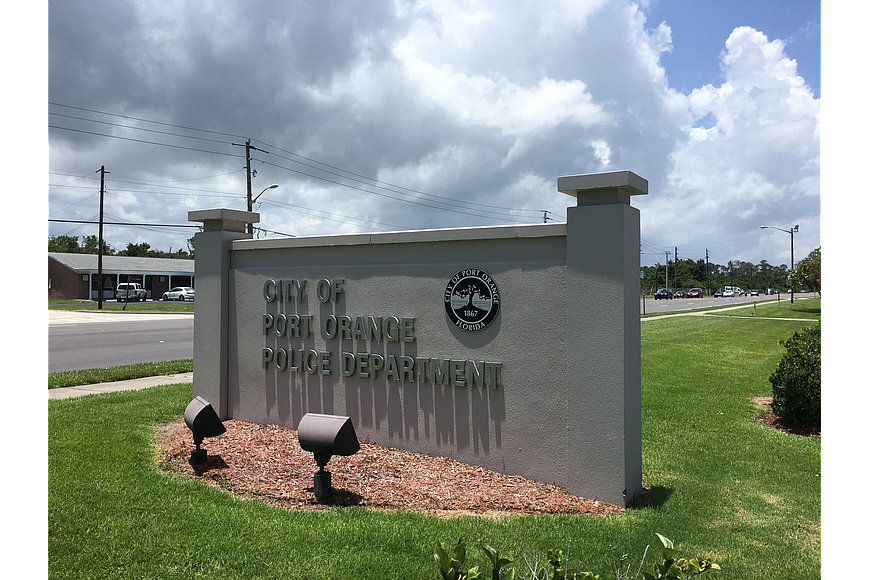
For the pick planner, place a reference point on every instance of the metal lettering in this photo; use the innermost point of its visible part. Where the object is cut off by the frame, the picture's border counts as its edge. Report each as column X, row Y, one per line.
column 474, row 373
column 377, row 363
column 491, row 370
column 391, row 329
column 457, row 373
column 348, row 364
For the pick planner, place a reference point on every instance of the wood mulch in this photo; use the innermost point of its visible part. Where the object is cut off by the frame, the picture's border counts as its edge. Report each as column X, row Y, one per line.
column 767, row 417
column 265, row 462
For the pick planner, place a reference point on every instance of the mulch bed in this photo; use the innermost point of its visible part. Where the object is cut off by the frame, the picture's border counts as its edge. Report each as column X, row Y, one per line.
column 266, row 462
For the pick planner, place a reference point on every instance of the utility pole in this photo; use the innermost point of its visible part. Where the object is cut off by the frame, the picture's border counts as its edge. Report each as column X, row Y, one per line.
column 248, row 148
column 100, row 241
column 546, row 217
column 707, row 268
column 676, row 285
column 248, row 167
column 667, row 254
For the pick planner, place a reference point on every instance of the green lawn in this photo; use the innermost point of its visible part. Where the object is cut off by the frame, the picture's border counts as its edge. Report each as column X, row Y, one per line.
column 722, row 486
column 121, row 373
column 149, row 306
column 804, row 308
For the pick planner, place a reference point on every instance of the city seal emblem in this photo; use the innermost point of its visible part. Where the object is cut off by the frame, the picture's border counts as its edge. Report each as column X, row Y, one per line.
column 471, row 299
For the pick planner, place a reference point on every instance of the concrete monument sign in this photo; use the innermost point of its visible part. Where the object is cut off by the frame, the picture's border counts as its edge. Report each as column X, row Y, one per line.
column 516, row 348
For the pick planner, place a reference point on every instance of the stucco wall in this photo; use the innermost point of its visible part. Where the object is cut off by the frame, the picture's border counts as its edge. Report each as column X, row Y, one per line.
column 560, row 397
column 514, row 427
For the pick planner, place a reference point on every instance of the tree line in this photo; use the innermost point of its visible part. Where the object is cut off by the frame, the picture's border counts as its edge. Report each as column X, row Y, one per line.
column 89, row 245
column 688, row 273
column 682, row 273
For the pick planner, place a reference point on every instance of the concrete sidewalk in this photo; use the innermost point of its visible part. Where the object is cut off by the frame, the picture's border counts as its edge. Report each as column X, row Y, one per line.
column 130, row 385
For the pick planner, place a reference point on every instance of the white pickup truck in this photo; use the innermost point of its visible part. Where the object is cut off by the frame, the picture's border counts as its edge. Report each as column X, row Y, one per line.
column 130, row 292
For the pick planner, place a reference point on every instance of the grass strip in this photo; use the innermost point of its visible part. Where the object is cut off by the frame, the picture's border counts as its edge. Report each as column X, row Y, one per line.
column 721, row 306
column 120, row 373
column 804, row 308
column 723, row 486
column 150, row 307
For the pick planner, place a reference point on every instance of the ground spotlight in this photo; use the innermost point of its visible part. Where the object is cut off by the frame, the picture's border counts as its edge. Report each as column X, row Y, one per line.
column 202, row 420
column 325, row 436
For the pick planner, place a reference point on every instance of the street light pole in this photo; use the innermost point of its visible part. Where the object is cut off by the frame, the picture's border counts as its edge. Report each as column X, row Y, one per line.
column 253, row 201
column 791, row 232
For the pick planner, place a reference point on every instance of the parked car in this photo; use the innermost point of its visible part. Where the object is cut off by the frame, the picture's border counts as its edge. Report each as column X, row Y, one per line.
column 130, row 292
column 728, row 294
column 753, row 292
column 681, row 294
column 695, row 293
column 717, row 294
column 664, row 294
column 179, row 293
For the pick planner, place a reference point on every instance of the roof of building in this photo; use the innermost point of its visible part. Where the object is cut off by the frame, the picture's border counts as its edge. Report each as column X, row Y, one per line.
column 84, row 263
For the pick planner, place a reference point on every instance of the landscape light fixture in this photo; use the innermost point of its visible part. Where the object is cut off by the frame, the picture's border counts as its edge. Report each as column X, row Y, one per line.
column 791, row 233
column 325, row 436
column 203, row 421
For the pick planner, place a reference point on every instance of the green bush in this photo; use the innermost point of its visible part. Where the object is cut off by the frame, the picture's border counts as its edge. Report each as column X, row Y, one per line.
column 797, row 381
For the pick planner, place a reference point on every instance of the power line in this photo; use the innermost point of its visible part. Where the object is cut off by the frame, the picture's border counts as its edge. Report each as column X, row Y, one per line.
column 146, row 120
column 334, row 182
column 344, row 173
column 122, row 223
column 326, row 216
column 135, row 128
column 383, row 184
column 370, row 182
column 142, row 141
column 383, row 194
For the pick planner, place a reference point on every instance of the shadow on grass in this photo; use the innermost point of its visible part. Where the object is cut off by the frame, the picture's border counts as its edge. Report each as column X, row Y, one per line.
column 659, row 495
column 653, row 497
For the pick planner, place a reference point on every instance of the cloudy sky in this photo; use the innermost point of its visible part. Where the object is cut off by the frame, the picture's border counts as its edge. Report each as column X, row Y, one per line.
column 394, row 115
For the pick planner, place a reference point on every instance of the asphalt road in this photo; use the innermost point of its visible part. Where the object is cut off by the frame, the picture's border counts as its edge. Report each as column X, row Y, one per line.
column 652, row 306
column 88, row 340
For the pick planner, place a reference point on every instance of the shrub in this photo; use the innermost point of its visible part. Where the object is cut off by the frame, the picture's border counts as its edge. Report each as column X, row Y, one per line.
column 797, row 381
